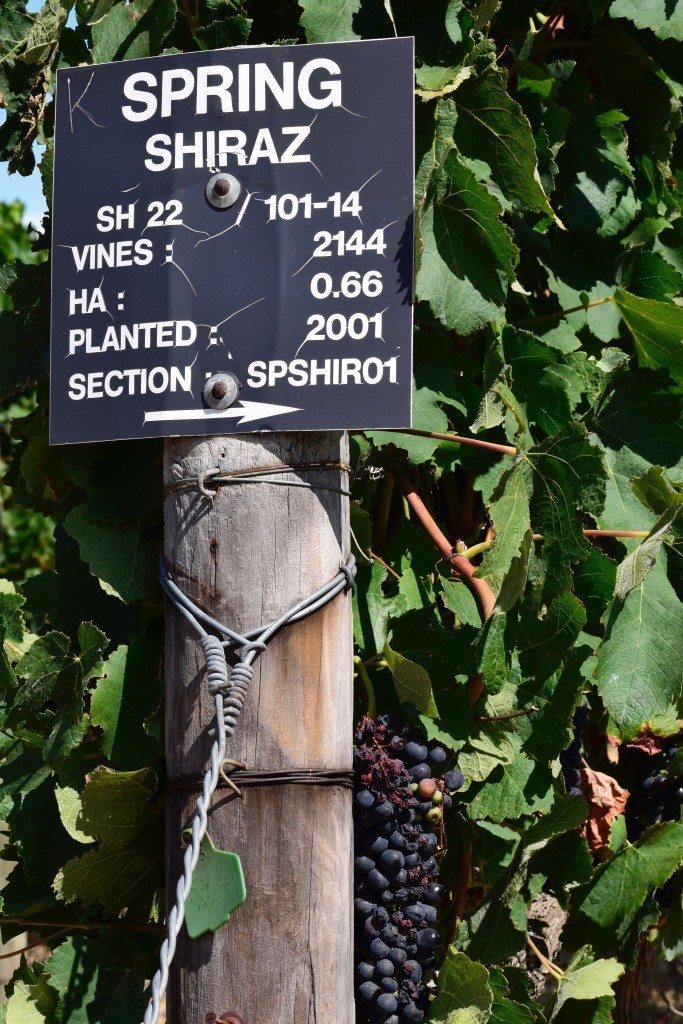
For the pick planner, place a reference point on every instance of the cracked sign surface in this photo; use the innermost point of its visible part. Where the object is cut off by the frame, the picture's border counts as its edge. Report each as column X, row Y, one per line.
column 302, row 289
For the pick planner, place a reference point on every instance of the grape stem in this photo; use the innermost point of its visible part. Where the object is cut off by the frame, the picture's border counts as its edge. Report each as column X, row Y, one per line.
column 36, row 942
column 614, row 533
column 462, row 886
column 369, row 688
column 392, row 572
column 380, row 528
column 552, row 968
column 558, row 314
column 30, row 923
column 472, row 442
column 506, row 718
column 478, row 549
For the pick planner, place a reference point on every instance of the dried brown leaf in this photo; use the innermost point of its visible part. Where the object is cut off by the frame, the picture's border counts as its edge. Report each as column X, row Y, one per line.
column 607, row 800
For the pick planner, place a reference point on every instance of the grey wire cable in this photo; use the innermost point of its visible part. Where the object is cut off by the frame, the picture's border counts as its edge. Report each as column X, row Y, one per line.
column 258, row 475
column 229, row 689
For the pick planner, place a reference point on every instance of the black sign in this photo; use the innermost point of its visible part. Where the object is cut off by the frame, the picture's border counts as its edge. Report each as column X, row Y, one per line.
column 244, row 212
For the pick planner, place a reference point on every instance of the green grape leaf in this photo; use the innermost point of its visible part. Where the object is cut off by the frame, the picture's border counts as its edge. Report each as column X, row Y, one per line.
column 51, row 672
column 459, row 599
column 505, row 1010
column 411, row 681
column 32, row 1004
column 229, row 30
column 635, row 567
column 555, row 697
column 371, row 609
column 509, row 511
column 12, row 642
column 98, row 979
column 522, row 787
column 89, row 12
column 639, row 413
column 622, row 509
column 497, row 930
column 586, row 979
column 657, row 330
column 464, row 996
column 124, row 870
column 671, row 933
column 119, row 553
column 566, row 862
column 656, row 491
column 467, row 252
column 489, row 746
column 544, row 641
column 592, row 1011
column 69, row 803
column 115, row 806
column 126, row 695
column 494, row 848
column 581, row 271
column 566, row 815
column 494, row 652
column 491, row 126
column 412, row 555
column 132, row 30
column 568, row 479
column 333, row 21
column 427, row 415
column 113, row 878
column 606, row 910
column 594, row 584
column 31, row 811
column 45, row 31
column 15, row 26
column 58, row 597
column 640, row 661
column 666, row 21
column 649, row 275
column 541, row 380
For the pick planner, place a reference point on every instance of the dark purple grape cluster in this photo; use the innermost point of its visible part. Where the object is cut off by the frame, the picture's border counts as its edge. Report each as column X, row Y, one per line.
column 570, row 759
column 655, row 785
column 400, row 802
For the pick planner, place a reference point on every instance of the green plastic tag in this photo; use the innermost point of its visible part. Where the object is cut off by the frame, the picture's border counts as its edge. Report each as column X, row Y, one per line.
column 217, row 890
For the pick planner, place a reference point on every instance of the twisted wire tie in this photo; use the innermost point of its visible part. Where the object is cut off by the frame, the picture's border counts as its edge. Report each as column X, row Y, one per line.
column 229, row 690
column 218, row 477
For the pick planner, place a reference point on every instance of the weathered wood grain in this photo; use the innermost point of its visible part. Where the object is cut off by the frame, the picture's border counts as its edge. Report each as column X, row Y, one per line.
column 286, row 955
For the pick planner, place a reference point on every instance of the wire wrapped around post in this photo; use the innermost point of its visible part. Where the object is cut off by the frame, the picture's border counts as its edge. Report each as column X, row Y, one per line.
column 228, row 687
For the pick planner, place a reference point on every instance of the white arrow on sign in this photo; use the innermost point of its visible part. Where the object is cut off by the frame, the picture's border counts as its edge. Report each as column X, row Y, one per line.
column 245, row 412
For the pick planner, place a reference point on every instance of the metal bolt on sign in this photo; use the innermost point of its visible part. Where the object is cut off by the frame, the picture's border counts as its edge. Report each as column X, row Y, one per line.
column 221, row 390
column 223, row 190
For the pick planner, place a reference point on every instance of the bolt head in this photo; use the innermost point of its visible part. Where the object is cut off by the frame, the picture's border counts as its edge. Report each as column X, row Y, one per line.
column 222, row 190
column 221, row 186
column 221, row 390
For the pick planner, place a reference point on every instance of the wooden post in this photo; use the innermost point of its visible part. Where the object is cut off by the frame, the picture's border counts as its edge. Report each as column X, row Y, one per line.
column 285, row 957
